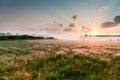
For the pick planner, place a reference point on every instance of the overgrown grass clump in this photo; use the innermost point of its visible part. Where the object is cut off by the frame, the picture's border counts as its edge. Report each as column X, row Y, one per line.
column 16, row 51
column 78, row 67
column 62, row 67
column 20, row 61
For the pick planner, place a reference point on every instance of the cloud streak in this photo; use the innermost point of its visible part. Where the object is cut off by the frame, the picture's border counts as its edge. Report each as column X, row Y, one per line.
column 67, row 30
column 103, row 8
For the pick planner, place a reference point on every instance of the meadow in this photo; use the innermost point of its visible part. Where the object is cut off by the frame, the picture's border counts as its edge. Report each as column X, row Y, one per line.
column 59, row 60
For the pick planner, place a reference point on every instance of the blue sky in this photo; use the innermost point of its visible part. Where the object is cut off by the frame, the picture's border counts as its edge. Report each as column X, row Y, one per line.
column 45, row 16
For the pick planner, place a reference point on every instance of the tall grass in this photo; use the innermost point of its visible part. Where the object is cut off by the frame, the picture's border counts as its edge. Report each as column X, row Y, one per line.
column 42, row 62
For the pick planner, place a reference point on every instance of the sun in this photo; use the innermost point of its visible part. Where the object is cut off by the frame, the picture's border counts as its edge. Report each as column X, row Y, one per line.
column 93, row 33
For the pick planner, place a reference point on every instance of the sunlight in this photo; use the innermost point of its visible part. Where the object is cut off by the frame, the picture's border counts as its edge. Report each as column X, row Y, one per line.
column 94, row 33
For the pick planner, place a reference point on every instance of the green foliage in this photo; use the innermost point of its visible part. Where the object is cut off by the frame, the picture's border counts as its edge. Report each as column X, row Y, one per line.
column 52, row 76
column 55, row 66
column 34, row 74
column 15, row 44
column 2, row 68
column 78, row 67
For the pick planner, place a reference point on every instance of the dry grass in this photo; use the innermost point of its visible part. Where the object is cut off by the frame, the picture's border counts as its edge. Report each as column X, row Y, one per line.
column 21, row 67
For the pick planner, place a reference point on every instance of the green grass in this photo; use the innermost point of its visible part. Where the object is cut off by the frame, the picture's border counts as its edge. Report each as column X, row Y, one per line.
column 14, row 47
column 17, row 44
column 64, row 67
column 58, row 67
column 21, row 64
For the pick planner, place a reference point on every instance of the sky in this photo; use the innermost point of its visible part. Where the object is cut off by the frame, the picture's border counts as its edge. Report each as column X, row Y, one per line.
column 65, row 19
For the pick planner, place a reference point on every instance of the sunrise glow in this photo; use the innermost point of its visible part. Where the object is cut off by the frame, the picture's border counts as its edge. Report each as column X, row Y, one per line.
column 94, row 33
column 60, row 18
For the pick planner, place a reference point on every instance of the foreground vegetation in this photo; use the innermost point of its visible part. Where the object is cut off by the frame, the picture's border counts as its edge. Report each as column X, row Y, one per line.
column 57, row 62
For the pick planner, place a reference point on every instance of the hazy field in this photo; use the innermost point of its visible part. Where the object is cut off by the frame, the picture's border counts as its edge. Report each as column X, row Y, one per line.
column 59, row 60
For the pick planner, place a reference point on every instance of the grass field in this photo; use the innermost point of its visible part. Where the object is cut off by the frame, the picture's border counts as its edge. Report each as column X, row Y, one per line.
column 59, row 60
column 17, row 44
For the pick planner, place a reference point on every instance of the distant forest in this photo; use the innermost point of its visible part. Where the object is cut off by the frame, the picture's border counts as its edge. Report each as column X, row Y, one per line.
column 22, row 37
column 102, row 35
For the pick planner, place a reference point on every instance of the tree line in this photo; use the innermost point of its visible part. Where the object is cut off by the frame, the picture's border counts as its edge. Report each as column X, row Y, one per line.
column 22, row 37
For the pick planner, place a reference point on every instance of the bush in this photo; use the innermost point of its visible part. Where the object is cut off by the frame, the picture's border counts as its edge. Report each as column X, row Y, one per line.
column 52, row 76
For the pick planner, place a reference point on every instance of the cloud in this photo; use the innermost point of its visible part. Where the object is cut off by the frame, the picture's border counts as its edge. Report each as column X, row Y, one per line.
column 49, row 30
column 117, row 19
column 103, row 8
column 111, row 24
column 55, row 24
column 72, row 25
column 83, row 27
column 75, row 17
column 67, row 30
column 86, row 29
column 108, row 24
column 60, row 25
